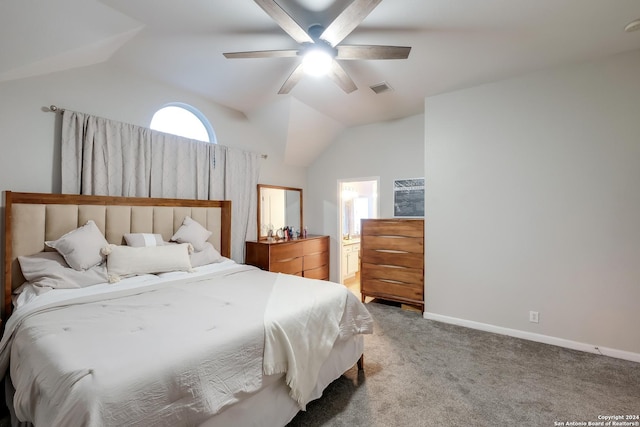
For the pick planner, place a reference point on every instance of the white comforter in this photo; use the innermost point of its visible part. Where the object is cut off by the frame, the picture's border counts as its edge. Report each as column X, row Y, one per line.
column 174, row 352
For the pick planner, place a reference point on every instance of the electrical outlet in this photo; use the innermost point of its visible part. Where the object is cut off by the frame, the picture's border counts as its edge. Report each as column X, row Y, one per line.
column 533, row 316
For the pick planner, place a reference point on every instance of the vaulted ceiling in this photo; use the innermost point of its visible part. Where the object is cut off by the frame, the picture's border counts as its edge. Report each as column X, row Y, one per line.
column 455, row 44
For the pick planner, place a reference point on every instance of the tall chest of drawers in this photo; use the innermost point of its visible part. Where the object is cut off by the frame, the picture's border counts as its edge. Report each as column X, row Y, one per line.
column 392, row 260
column 308, row 257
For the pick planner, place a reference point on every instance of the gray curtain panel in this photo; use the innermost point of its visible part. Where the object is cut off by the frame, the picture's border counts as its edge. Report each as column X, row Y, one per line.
column 104, row 157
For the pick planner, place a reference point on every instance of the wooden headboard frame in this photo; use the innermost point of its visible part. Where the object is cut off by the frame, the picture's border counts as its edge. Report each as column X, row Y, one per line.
column 33, row 218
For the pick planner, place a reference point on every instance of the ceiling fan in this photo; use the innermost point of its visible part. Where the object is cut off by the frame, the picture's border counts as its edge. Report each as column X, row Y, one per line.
column 320, row 42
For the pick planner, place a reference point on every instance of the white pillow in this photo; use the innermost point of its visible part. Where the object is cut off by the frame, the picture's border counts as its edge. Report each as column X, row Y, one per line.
column 81, row 247
column 192, row 232
column 137, row 240
column 128, row 261
column 49, row 270
column 208, row 255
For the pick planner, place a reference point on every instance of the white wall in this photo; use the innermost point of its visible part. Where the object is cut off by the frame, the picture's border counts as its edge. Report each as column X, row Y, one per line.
column 533, row 203
column 389, row 150
column 29, row 136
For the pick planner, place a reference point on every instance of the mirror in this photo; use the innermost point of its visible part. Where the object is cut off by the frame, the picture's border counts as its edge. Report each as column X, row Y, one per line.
column 278, row 207
column 359, row 200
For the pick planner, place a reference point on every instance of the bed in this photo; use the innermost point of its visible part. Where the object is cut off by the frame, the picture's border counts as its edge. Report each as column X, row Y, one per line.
column 157, row 333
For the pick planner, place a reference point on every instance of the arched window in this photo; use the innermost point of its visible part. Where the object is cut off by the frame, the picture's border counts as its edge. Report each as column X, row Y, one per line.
column 183, row 120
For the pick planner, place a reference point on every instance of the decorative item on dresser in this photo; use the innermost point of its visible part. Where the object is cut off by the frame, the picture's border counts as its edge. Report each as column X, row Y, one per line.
column 307, row 257
column 392, row 260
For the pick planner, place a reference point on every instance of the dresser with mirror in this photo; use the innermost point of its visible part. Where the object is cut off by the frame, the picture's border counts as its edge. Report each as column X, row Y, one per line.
column 278, row 207
column 277, row 251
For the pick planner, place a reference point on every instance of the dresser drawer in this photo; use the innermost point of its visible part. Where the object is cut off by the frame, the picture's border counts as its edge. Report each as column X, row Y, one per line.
column 315, row 245
column 289, row 266
column 292, row 256
column 285, row 251
column 321, row 273
column 405, row 291
column 315, row 260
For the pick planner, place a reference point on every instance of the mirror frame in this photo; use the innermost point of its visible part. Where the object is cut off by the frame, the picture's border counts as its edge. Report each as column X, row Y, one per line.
column 276, row 187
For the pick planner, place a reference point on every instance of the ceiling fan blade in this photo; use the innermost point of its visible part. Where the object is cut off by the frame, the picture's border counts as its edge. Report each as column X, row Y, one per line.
column 285, row 21
column 372, row 52
column 263, row 54
column 292, row 80
column 348, row 20
column 341, row 78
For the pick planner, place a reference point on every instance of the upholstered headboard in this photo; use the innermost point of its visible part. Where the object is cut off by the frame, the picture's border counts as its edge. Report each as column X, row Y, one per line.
column 33, row 218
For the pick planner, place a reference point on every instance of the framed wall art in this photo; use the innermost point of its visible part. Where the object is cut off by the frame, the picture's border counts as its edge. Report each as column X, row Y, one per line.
column 408, row 197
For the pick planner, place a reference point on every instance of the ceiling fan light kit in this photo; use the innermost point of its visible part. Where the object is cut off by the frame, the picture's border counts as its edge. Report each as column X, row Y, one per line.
column 317, row 57
column 316, row 62
column 320, row 49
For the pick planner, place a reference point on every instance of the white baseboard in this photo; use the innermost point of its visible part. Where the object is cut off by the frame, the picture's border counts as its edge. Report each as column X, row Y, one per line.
column 546, row 339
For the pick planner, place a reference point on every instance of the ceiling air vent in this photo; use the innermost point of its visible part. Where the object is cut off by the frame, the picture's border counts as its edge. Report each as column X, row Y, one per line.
column 379, row 88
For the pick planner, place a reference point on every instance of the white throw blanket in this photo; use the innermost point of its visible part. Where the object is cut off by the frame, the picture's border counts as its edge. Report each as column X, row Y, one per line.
column 299, row 338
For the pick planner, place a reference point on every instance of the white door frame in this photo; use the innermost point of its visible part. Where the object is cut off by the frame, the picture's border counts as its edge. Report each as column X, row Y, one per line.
column 340, row 210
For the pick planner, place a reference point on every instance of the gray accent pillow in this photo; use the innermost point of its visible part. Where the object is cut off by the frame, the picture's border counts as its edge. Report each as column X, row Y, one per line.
column 208, row 255
column 81, row 247
column 138, row 240
column 192, row 232
column 49, row 270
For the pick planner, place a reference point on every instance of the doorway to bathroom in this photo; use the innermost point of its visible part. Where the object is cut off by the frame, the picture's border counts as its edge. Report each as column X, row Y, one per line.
column 358, row 200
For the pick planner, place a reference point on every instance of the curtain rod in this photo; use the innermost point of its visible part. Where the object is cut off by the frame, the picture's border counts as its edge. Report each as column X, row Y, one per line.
column 54, row 109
